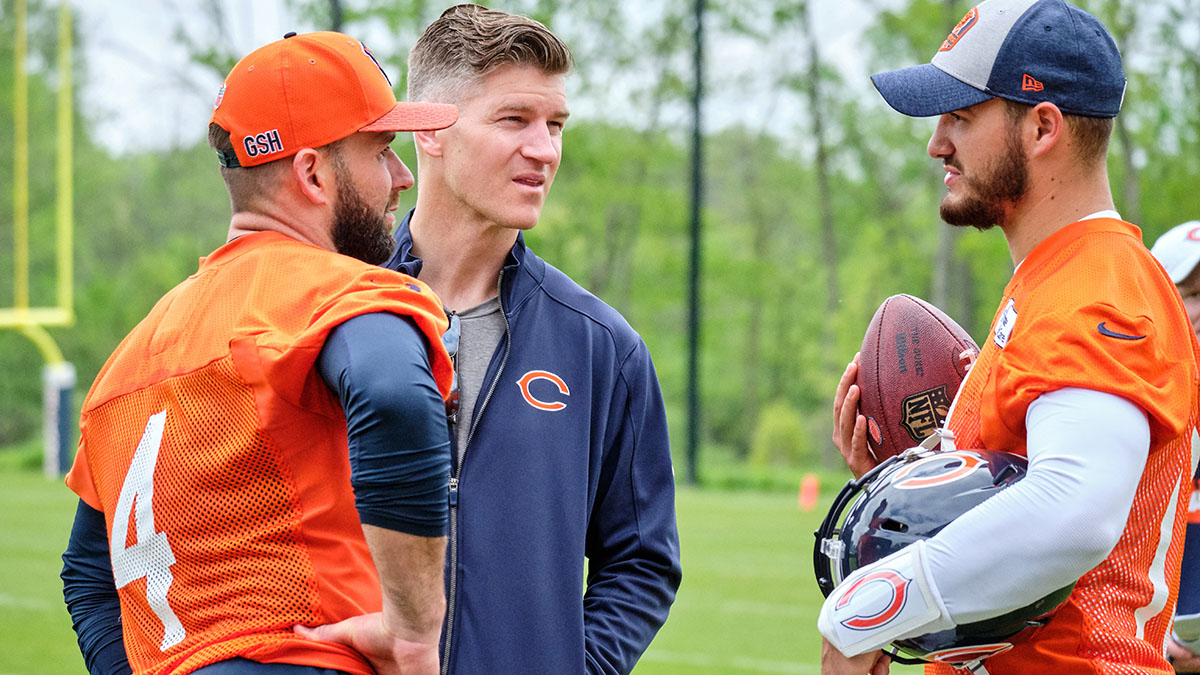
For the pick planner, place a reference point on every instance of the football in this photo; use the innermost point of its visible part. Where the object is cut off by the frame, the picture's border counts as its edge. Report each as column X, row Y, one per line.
column 913, row 359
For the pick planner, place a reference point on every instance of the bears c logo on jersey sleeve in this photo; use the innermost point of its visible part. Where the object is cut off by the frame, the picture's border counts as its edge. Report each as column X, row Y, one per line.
column 887, row 585
column 878, row 603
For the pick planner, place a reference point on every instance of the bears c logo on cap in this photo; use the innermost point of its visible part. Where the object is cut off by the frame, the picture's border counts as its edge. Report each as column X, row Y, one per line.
column 377, row 65
column 968, row 22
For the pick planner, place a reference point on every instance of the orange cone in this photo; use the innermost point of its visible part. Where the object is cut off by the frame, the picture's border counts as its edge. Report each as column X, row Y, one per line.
column 810, row 489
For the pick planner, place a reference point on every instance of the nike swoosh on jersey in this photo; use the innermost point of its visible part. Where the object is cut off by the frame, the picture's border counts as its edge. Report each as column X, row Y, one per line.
column 1104, row 330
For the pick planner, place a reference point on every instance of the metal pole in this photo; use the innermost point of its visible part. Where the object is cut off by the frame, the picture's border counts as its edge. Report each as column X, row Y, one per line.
column 335, row 15
column 693, row 394
column 58, row 383
column 20, row 163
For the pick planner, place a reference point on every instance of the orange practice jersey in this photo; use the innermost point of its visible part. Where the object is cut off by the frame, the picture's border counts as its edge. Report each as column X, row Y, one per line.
column 219, row 458
column 1090, row 308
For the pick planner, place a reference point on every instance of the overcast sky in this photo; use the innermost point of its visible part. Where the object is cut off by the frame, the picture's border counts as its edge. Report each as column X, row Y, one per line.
column 140, row 87
column 143, row 93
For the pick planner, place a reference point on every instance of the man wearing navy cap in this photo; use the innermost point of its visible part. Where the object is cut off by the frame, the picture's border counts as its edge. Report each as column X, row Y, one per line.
column 1089, row 371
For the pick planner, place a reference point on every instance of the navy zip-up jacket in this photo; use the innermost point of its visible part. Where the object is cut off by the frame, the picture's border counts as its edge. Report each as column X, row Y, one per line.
column 568, row 459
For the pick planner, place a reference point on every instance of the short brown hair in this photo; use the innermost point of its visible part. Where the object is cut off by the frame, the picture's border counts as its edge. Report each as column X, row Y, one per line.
column 248, row 184
column 469, row 41
column 1089, row 134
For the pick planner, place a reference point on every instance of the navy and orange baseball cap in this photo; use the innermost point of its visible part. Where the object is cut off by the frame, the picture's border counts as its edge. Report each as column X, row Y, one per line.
column 1022, row 50
column 308, row 90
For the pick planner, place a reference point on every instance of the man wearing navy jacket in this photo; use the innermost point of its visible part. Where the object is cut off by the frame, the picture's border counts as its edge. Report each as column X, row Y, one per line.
column 561, row 453
column 561, row 449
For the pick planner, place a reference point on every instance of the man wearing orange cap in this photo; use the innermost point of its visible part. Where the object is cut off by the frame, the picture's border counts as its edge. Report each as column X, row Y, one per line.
column 267, row 450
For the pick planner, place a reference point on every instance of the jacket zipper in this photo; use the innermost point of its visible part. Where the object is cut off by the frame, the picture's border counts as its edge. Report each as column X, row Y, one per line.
column 451, row 595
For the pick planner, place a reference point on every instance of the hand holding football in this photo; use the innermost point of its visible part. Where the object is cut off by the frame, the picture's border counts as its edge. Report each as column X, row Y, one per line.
column 913, row 360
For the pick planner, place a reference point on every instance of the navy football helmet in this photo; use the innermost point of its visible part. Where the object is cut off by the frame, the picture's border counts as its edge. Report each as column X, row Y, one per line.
column 910, row 497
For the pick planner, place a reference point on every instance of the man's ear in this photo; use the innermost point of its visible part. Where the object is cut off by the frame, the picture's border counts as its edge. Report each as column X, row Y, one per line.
column 1049, row 127
column 311, row 172
column 429, row 142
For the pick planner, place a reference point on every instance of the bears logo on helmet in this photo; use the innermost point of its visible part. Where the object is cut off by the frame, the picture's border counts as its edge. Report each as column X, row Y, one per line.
column 938, row 469
column 910, row 497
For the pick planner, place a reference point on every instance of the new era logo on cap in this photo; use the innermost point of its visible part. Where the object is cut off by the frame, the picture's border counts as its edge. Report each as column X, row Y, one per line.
column 1028, row 51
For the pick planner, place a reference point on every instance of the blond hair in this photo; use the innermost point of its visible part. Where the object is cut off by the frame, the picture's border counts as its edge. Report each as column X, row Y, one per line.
column 469, row 41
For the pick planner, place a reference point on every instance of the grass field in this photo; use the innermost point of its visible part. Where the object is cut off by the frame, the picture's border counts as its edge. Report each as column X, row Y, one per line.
column 747, row 605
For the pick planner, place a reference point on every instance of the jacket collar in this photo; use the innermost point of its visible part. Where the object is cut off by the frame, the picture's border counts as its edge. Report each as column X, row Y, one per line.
column 522, row 273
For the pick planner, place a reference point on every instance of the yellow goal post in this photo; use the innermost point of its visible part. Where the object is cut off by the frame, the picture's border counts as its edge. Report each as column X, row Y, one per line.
column 58, row 375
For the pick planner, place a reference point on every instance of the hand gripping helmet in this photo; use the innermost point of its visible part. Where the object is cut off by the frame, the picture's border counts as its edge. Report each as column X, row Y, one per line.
column 910, row 497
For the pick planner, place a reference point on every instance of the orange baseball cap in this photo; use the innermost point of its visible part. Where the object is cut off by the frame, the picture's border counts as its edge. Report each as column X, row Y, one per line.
column 305, row 91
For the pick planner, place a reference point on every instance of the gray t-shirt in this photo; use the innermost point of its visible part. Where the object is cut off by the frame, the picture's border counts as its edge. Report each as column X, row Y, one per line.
column 482, row 327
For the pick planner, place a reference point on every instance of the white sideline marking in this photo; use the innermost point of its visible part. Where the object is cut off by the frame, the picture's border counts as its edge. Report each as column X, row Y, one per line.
column 24, row 603
column 767, row 608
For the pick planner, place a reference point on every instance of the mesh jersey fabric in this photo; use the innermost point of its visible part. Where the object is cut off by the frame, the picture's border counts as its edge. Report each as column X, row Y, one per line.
column 1093, row 310
column 210, row 440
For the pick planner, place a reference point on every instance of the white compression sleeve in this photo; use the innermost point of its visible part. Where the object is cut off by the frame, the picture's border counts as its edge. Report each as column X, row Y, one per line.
column 1087, row 450
column 888, row 600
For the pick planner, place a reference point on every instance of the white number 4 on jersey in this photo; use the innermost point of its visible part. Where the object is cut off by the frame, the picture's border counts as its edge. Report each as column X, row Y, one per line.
column 151, row 556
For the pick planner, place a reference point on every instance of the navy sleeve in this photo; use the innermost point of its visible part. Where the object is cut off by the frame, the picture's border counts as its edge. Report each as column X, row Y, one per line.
column 632, row 540
column 91, row 595
column 395, row 422
column 1189, row 578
